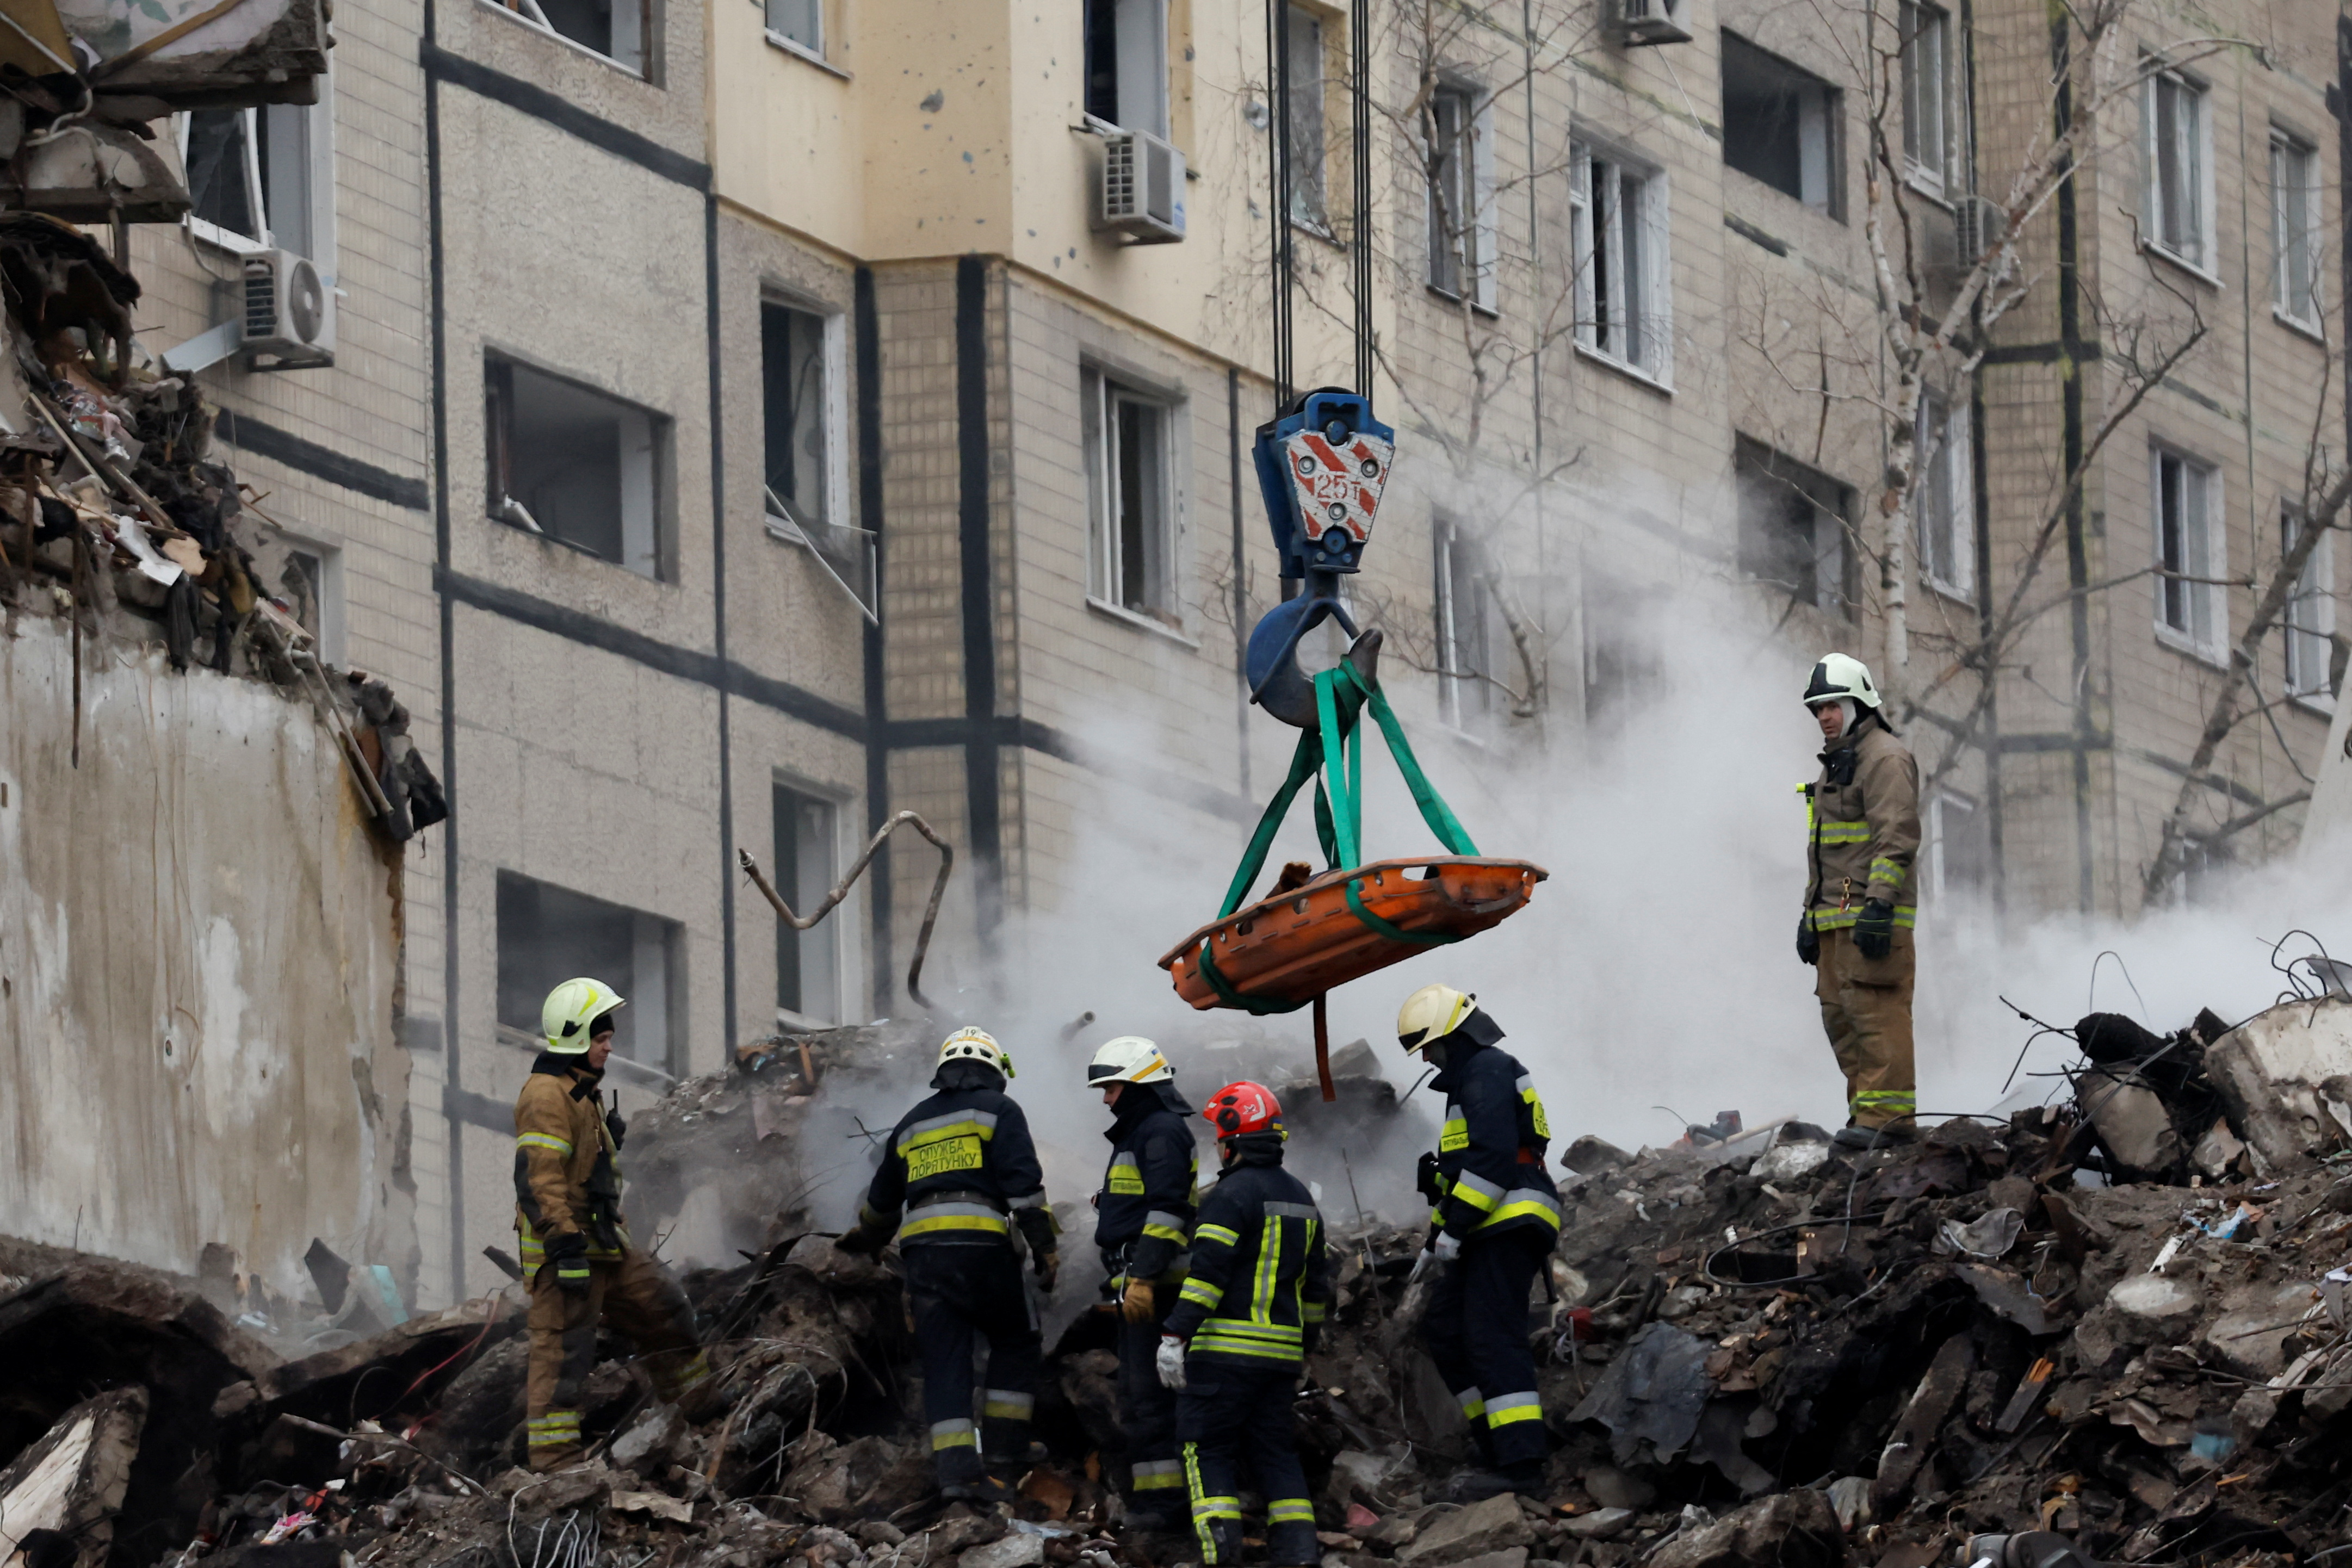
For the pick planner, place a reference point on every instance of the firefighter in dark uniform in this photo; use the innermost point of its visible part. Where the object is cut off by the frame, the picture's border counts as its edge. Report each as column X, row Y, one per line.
column 965, row 1169
column 1143, row 1215
column 1496, row 1220
column 1248, row 1314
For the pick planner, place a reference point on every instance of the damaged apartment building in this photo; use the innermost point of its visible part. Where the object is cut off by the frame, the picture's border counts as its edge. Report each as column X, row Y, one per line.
column 730, row 424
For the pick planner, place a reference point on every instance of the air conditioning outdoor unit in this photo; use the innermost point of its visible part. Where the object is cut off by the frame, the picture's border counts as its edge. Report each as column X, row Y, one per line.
column 1976, row 225
column 1651, row 22
column 1142, row 188
column 290, row 311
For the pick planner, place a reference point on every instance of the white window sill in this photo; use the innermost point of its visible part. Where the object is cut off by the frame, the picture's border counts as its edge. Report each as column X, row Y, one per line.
column 1630, row 371
column 223, row 239
column 802, row 1023
column 1141, row 621
column 633, row 73
column 1950, row 591
column 2300, row 327
column 2181, row 642
column 1492, row 313
column 2320, row 703
column 1929, row 185
column 2192, row 268
column 793, row 47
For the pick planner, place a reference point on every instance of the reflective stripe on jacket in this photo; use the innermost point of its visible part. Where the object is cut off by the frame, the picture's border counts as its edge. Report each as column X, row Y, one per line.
column 1861, row 826
column 567, row 1174
column 1490, row 1151
column 1260, row 1282
column 962, row 1166
column 1151, row 1188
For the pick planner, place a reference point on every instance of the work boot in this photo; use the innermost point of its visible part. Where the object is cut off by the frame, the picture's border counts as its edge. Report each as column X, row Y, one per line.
column 1146, row 1520
column 984, row 1489
column 1892, row 1135
column 1478, row 1485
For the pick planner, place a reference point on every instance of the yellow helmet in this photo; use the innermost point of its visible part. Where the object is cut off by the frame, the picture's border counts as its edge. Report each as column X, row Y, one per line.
column 971, row 1043
column 1432, row 1013
column 569, row 1008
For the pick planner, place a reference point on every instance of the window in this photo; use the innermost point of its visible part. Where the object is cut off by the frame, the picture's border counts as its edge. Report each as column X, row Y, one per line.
column 1960, row 844
column 1624, row 652
column 262, row 177
column 1927, row 32
column 1619, row 214
column 548, row 934
column 1792, row 524
column 574, row 465
column 1780, row 124
column 808, row 963
column 2310, row 615
column 1127, row 64
column 1462, row 196
column 2189, row 562
column 800, row 22
column 803, row 416
column 613, row 29
column 1303, row 60
column 311, row 587
column 2295, row 228
column 1464, row 609
column 1131, row 558
column 2179, row 193
column 1943, row 496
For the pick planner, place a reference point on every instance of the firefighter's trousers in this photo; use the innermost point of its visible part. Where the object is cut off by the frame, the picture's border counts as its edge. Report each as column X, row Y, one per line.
column 1235, row 1421
column 637, row 1296
column 959, row 1293
column 1866, row 1008
column 1147, row 1413
column 1476, row 1332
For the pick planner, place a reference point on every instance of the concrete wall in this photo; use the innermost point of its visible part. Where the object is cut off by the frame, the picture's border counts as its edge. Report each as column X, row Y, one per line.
column 199, row 950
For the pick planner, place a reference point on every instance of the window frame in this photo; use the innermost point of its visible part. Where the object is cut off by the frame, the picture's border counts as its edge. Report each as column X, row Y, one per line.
column 1448, row 545
column 1133, row 63
column 1831, row 127
column 2213, row 530
column 819, row 53
column 2197, row 141
column 531, row 15
column 1936, row 23
column 331, row 636
column 834, row 363
column 1317, row 218
column 1757, row 464
column 314, row 171
column 1469, row 185
column 1653, row 333
column 1104, row 390
column 661, row 462
column 1940, row 804
column 2283, row 225
column 662, row 994
column 2315, row 588
column 1948, row 420
column 836, row 935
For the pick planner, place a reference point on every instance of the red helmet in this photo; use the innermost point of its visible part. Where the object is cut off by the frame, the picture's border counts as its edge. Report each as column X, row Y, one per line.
column 1242, row 1107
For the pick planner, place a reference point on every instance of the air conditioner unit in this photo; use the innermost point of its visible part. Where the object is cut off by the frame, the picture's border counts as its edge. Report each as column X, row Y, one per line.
column 1142, row 188
column 1651, row 22
column 1976, row 226
column 290, row 311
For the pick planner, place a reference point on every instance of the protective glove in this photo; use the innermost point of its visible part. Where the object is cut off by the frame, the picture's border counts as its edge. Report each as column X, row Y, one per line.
column 1138, row 1305
column 1427, row 1180
column 1447, row 1247
column 568, row 1251
column 860, row 1241
column 1170, row 1361
column 1048, row 1266
column 1809, row 941
column 1873, row 934
column 617, row 1124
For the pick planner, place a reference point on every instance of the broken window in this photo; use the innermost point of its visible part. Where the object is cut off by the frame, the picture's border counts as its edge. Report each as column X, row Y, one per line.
column 2187, row 550
column 261, row 178
column 311, row 587
column 574, row 465
column 1960, row 844
column 548, row 934
column 1943, row 493
column 1780, row 124
column 2310, row 615
column 2295, row 235
column 1462, row 196
column 808, row 963
column 1618, row 213
column 800, row 23
column 2178, row 198
column 1127, row 64
column 1302, row 43
column 1792, row 524
column 616, row 29
column 1131, row 558
column 1464, row 609
column 1925, row 42
column 797, row 380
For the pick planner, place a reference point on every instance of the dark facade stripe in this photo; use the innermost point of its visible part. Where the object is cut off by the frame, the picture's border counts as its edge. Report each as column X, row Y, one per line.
column 1755, row 236
column 719, row 615
column 982, row 806
column 866, row 321
column 283, row 446
column 527, row 98
column 478, row 1110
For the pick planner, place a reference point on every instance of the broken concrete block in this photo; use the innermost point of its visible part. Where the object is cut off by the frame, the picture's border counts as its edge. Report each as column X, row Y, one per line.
column 1600, row 1524
column 72, row 1481
column 645, row 1448
column 1787, row 1530
column 1850, row 1495
column 2149, row 1309
column 2132, row 1121
column 2273, row 1073
column 1516, row 1557
column 1787, row 1162
column 1588, row 1154
column 2217, row 1150
column 1019, row 1549
column 1613, row 1488
column 660, row 1505
column 2251, row 1338
column 1477, row 1530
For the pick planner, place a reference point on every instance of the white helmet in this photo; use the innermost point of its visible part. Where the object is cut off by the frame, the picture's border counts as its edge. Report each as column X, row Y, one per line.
column 1841, row 675
column 971, row 1043
column 1432, row 1013
column 1129, row 1059
column 571, row 1010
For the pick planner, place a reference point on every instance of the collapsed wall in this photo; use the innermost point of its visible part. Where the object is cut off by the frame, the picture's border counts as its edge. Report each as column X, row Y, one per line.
column 199, row 949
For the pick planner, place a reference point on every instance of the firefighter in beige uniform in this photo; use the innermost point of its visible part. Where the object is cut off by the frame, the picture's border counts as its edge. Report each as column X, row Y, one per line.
column 575, row 1248
column 1862, row 899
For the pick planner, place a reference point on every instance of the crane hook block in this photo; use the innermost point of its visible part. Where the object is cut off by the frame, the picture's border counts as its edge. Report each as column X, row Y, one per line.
column 1322, row 466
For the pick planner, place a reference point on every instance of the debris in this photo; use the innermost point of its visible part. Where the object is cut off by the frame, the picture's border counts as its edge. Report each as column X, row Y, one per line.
column 2285, row 1076
column 1494, row 1525
column 71, row 1482
column 1652, row 1395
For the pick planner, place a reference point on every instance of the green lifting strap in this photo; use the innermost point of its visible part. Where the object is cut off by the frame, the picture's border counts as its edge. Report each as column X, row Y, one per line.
column 1332, row 755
